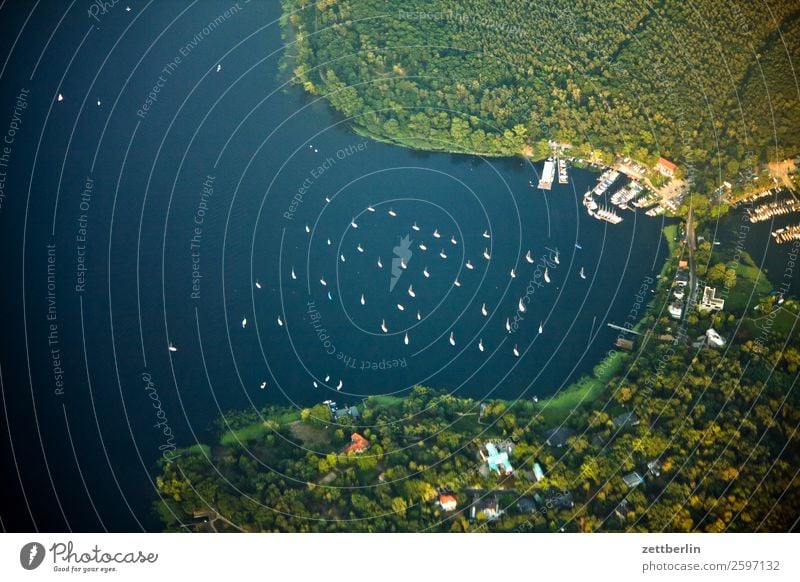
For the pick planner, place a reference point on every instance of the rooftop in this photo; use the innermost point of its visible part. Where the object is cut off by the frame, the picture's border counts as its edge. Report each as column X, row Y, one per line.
column 557, row 437
column 358, row 444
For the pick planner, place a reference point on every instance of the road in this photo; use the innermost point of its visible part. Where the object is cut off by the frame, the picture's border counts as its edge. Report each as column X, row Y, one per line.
column 691, row 242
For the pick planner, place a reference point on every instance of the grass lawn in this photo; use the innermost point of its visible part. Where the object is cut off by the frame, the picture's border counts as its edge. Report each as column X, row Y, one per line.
column 247, row 433
column 751, row 285
column 558, row 407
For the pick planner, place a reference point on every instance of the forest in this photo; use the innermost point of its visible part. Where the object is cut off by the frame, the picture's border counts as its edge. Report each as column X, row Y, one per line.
column 681, row 437
column 706, row 84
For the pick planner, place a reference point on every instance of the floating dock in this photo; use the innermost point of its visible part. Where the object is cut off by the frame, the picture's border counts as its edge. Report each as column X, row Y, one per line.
column 548, row 173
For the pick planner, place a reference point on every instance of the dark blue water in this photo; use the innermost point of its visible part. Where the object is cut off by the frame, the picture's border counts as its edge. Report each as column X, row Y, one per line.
column 194, row 199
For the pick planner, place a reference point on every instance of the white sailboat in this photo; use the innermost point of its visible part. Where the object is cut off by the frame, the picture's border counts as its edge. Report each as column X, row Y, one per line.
column 426, row 273
column 556, row 260
column 415, row 227
column 370, row 208
column 442, row 254
column 521, row 306
column 392, row 213
column 483, row 310
column 60, row 97
column 405, row 339
column 528, row 257
column 328, row 199
column 513, row 273
column 314, row 382
column 422, row 247
column 419, row 316
column 363, row 301
column 293, row 274
column 453, row 240
column 411, row 291
column 486, row 234
column 172, row 347
column 516, row 351
column 244, row 322
column 329, row 242
column 258, row 284
column 541, row 327
column 582, row 274
column 401, row 307
column 403, row 263
column 486, row 254
column 457, row 283
column 323, row 282
column 339, row 385
column 359, row 248
column 436, row 233
column 280, row 321
column 308, row 228
column 469, row 265
column 508, row 325
column 452, row 339
column 380, row 265
column 263, row 384
column 546, row 275
column 327, row 377
column 384, row 329
column 353, row 223
column 342, row 257
column 480, row 344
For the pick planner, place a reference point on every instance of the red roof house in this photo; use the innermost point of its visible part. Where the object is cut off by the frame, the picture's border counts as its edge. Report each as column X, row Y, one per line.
column 447, row 502
column 666, row 168
column 358, row 444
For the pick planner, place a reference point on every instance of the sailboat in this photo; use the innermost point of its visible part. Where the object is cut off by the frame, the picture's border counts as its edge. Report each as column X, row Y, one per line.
column 370, row 208
column 541, row 327
column 579, row 247
column 405, row 339
column 380, row 265
column 359, row 248
column 328, row 199
column 384, row 329
column 403, row 263
column 556, row 259
column 546, row 275
column 469, row 265
column 425, row 272
column 441, row 254
column 329, row 242
column 308, row 228
column 258, row 284
column 244, row 322
column 280, row 321
column 528, row 257
column 327, row 377
column 453, row 240
column 419, row 316
column 521, row 306
column 60, row 97
column 422, row 247
column 582, row 274
column 508, row 325
column 486, row 234
column 323, row 281
column 353, row 223
column 411, row 291
column 363, row 301
column 516, row 351
column 263, row 384
column 341, row 257
column 314, row 382
column 415, row 227
column 452, row 339
column 401, row 307
column 513, row 273
column 483, row 310
column 392, row 212
column 339, row 385
column 457, row 283
column 293, row 274
column 486, row 254
column 436, row 233
column 172, row 347
column 480, row 344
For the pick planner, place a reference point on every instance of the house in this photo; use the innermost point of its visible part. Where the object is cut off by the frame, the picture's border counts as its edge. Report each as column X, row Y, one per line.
column 678, row 292
column 339, row 413
column 554, row 498
column 683, row 264
column 497, row 460
column 488, row 506
column 624, row 344
column 675, row 309
column 714, row 339
column 633, row 479
column 666, row 168
column 526, row 505
column 654, row 467
column 557, row 437
column 447, row 502
column 710, row 301
column 622, row 510
column 358, row 444
column 538, row 474
column 682, row 277
column 626, row 419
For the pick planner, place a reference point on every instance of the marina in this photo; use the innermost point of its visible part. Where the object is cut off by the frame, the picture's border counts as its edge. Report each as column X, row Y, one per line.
column 787, row 234
column 769, row 210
